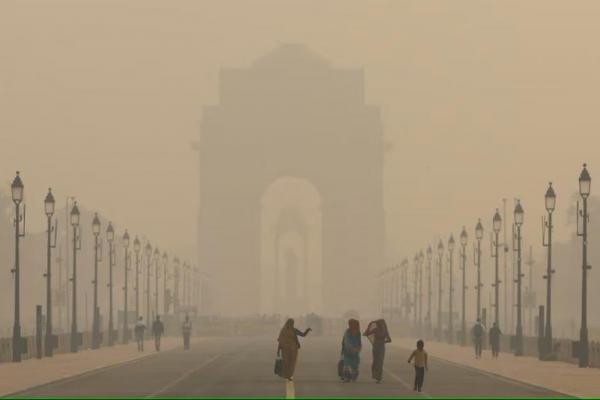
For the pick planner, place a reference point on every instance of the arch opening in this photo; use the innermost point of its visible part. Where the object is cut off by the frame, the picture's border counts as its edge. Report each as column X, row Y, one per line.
column 291, row 277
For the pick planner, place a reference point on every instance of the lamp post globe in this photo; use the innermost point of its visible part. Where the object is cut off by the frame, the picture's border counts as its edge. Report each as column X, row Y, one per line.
column 16, row 189
column 110, row 233
column 463, row 237
column 479, row 230
column 518, row 214
column 125, row 239
column 585, row 182
column 96, row 225
column 75, row 215
column 550, row 198
column 497, row 222
column 49, row 203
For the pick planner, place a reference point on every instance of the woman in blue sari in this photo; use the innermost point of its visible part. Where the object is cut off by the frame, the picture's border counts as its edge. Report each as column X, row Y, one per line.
column 351, row 346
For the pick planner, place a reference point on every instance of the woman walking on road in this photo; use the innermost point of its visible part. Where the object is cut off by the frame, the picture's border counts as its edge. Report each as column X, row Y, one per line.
column 378, row 335
column 288, row 347
column 351, row 346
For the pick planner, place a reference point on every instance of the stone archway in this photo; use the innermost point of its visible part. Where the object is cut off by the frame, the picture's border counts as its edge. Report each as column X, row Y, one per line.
column 290, row 114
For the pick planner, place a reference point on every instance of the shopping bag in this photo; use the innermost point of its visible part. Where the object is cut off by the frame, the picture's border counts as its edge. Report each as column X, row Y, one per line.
column 278, row 369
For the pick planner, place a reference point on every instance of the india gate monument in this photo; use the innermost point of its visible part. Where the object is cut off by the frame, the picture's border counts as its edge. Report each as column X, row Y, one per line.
column 291, row 216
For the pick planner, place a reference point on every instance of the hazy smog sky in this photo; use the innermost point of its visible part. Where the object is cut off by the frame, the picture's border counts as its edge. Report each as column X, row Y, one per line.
column 480, row 100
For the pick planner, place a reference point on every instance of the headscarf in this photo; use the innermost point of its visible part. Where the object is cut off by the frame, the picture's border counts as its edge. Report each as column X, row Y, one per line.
column 354, row 326
column 287, row 336
column 378, row 328
column 352, row 337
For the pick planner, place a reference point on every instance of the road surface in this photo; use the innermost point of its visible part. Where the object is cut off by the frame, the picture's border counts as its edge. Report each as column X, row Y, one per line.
column 235, row 367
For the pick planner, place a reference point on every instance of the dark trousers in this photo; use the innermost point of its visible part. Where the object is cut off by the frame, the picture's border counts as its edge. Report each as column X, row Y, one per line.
column 140, row 343
column 377, row 366
column 186, row 341
column 478, row 346
column 495, row 350
column 419, row 377
column 157, row 342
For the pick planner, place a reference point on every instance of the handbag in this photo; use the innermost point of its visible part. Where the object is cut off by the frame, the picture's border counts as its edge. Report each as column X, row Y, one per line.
column 278, row 368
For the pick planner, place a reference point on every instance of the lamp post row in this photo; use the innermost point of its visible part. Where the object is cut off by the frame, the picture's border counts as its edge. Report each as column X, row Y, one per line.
column 518, row 218
column 50, row 339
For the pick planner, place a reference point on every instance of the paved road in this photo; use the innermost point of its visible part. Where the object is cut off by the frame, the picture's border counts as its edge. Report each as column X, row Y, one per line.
column 234, row 367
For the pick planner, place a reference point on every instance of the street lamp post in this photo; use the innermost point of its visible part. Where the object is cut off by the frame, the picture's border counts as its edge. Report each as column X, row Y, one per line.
column 76, row 246
column 156, row 275
column 450, row 289
column 17, row 196
column 148, row 250
column 585, row 183
column 497, row 225
column 176, row 287
column 440, row 250
column 478, row 236
column 110, row 237
column 126, row 298
column 136, row 249
column 463, row 256
column 96, row 313
column 404, row 286
column 429, row 258
column 416, row 291
column 49, row 205
column 550, row 203
column 518, row 218
column 165, row 260
column 421, row 262
column 394, row 285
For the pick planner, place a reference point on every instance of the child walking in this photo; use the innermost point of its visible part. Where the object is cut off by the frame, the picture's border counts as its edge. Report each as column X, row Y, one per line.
column 420, row 356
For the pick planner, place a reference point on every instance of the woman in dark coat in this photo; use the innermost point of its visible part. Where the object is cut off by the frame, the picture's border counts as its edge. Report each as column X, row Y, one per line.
column 378, row 335
column 288, row 347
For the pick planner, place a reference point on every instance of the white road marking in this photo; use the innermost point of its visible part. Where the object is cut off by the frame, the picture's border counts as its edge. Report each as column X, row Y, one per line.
column 290, row 390
column 183, row 377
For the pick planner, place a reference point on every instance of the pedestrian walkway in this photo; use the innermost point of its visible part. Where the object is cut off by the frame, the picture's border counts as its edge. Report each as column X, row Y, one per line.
column 16, row 377
column 555, row 375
